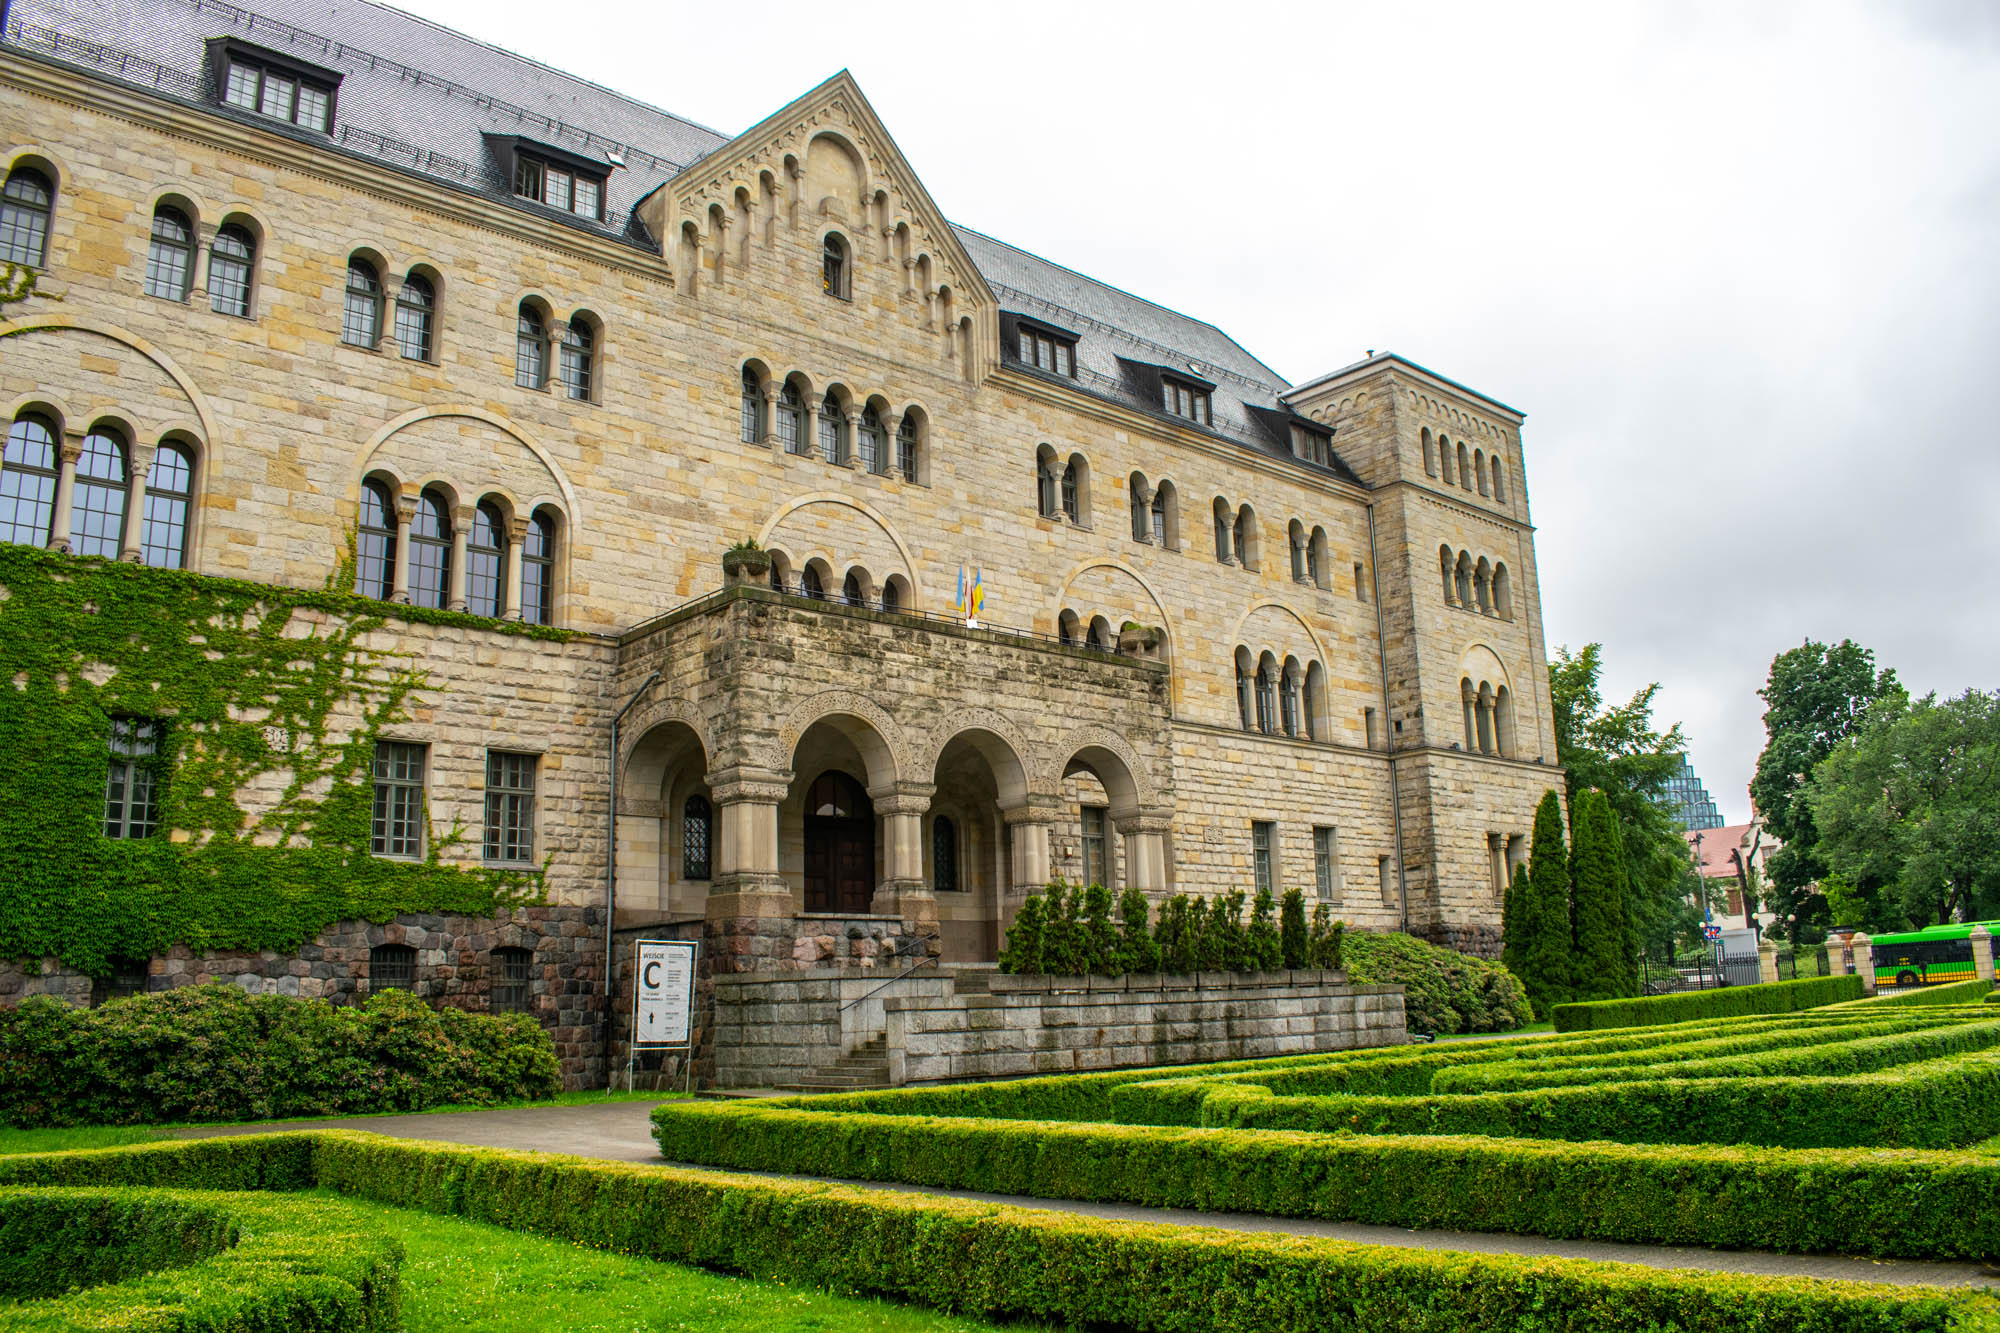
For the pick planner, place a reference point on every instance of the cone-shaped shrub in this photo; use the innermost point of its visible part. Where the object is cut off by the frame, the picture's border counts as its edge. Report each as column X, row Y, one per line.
column 1598, row 963
column 1023, row 951
column 1137, row 949
column 1266, row 950
column 1294, row 940
column 1101, row 954
column 1325, row 950
column 1545, row 919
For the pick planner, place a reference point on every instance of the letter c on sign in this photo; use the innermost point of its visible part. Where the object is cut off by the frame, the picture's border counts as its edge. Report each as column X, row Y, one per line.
column 649, row 980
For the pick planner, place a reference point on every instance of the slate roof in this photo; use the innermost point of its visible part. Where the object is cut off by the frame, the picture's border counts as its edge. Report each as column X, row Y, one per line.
column 423, row 98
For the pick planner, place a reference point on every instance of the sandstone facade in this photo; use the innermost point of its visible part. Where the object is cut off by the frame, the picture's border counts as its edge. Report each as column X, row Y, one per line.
column 744, row 697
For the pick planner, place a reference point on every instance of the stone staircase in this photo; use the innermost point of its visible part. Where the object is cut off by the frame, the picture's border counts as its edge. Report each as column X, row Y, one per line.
column 866, row 1066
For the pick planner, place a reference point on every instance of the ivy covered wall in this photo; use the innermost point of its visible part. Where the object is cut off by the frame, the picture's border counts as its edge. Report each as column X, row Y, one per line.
column 269, row 702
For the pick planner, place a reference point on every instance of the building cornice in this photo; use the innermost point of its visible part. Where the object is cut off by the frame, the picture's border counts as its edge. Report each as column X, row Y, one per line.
column 1364, row 370
column 75, row 86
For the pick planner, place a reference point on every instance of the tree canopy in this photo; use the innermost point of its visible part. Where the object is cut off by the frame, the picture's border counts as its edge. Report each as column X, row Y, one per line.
column 1907, row 811
column 1816, row 697
column 1617, row 750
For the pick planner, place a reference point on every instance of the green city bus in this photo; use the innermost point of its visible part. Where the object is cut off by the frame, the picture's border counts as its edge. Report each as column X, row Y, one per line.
column 1935, row 956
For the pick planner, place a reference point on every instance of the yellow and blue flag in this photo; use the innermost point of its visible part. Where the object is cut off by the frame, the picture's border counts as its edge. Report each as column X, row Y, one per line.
column 975, row 600
column 958, row 598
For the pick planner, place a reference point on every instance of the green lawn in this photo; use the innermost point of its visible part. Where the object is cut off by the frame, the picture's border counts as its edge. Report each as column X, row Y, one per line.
column 468, row 1276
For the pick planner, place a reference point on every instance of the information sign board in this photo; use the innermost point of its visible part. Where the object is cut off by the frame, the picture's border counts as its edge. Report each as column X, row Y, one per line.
column 663, row 1013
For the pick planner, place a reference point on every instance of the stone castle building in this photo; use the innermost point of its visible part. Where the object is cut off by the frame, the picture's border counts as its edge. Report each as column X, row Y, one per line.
column 334, row 279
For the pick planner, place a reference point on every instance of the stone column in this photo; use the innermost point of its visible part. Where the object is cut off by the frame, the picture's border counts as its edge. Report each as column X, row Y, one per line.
column 904, row 891
column 772, row 390
column 745, row 879
column 892, row 434
column 131, row 545
column 1767, row 961
column 798, row 182
column 406, row 513
column 461, row 532
column 517, row 542
column 1864, row 961
column 1028, row 829
column 1145, row 837
column 1982, row 952
column 67, row 452
column 1838, row 961
column 853, row 459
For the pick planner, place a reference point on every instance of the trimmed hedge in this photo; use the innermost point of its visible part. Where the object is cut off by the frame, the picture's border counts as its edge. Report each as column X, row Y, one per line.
column 1938, row 1104
column 1443, row 990
column 1903, row 1204
column 1779, row 997
column 1857, row 1052
column 193, row 1263
column 215, row 1053
column 1034, row 1264
column 1956, row 992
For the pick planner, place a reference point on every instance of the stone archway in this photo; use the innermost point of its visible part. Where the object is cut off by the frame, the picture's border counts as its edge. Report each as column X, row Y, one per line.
column 978, row 776
column 667, row 829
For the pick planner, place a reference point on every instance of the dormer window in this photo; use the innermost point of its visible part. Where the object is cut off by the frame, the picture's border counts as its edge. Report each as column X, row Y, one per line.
column 558, row 185
column 1312, row 446
column 268, row 84
column 1048, row 352
column 1187, row 401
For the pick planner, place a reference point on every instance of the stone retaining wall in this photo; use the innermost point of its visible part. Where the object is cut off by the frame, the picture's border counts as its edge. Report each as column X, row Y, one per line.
column 1061, row 1025
column 775, row 1028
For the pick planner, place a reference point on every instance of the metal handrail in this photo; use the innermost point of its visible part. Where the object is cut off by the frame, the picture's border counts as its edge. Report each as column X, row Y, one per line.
column 926, row 961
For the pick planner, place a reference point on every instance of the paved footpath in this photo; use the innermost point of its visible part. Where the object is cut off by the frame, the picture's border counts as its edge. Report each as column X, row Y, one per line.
column 621, row 1132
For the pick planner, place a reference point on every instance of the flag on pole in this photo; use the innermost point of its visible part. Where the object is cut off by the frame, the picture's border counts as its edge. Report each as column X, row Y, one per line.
column 975, row 599
column 958, row 599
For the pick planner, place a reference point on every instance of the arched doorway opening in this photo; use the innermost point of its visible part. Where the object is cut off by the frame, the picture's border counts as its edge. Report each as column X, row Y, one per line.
column 839, row 845
column 666, row 822
column 977, row 776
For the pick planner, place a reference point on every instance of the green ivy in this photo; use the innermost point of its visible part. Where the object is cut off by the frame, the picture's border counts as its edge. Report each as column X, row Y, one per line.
column 256, row 687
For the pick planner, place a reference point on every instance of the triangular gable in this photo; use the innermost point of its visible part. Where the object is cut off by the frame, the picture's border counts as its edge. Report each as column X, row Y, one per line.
column 837, row 108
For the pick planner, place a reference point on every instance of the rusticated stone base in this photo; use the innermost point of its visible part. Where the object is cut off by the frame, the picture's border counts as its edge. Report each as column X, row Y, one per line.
column 1477, row 938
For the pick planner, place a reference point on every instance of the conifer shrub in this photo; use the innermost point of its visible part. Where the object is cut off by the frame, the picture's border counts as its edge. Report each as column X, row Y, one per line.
column 1138, row 951
column 1324, row 945
column 1262, row 944
column 1294, row 938
column 1102, row 954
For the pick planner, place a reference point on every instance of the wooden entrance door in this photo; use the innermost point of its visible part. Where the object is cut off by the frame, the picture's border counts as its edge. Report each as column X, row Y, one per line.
column 840, row 845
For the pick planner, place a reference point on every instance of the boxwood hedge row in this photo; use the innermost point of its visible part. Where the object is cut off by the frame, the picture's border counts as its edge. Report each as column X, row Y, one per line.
column 1777, row 997
column 1009, row 1262
column 1957, row 992
column 1898, row 1204
column 185, row 1262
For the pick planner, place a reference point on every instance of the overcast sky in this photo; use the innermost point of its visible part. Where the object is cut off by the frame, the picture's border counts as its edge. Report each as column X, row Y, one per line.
column 1738, row 263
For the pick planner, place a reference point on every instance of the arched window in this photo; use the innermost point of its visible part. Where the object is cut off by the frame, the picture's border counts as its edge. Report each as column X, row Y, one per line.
column 1503, row 722
column 1067, row 625
column 1430, row 454
column 892, row 593
column 1470, row 700
column 486, row 561
column 906, row 447
column 28, row 481
column 1162, row 528
column 1072, row 504
column 1100, row 635
column 1446, row 563
column 1246, row 538
column 1296, row 534
column 361, row 311
column 873, row 441
column 1316, row 559
column 1503, row 593
column 375, row 546
column 231, row 256
column 576, row 363
column 809, row 583
column 1045, row 486
column 833, row 266
column 792, row 419
column 832, row 431
column 1479, row 468
column 753, row 408
column 97, row 501
column 169, row 255
column 1267, row 695
column 430, row 552
column 1463, row 577
column 1483, row 710
column 1222, row 530
column 164, row 521
column 1288, row 698
column 1499, row 481
column 1315, row 702
column 944, row 855
column 1464, row 468
column 1482, row 591
column 696, row 828
column 25, row 204
column 850, row 589
column 1245, row 704
column 531, row 348
column 538, row 571
column 416, row 314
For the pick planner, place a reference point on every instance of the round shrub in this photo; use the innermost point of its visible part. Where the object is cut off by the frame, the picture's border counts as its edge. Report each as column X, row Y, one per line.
column 206, row 1053
column 1443, row 990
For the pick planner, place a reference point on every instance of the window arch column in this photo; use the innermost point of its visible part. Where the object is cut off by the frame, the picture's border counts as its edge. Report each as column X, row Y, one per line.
column 773, row 389
column 67, row 452
column 461, row 532
column 852, row 444
column 904, row 891
column 892, row 435
column 131, row 547
column 517, row 538
column 1145, row 836
column 406, row 513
